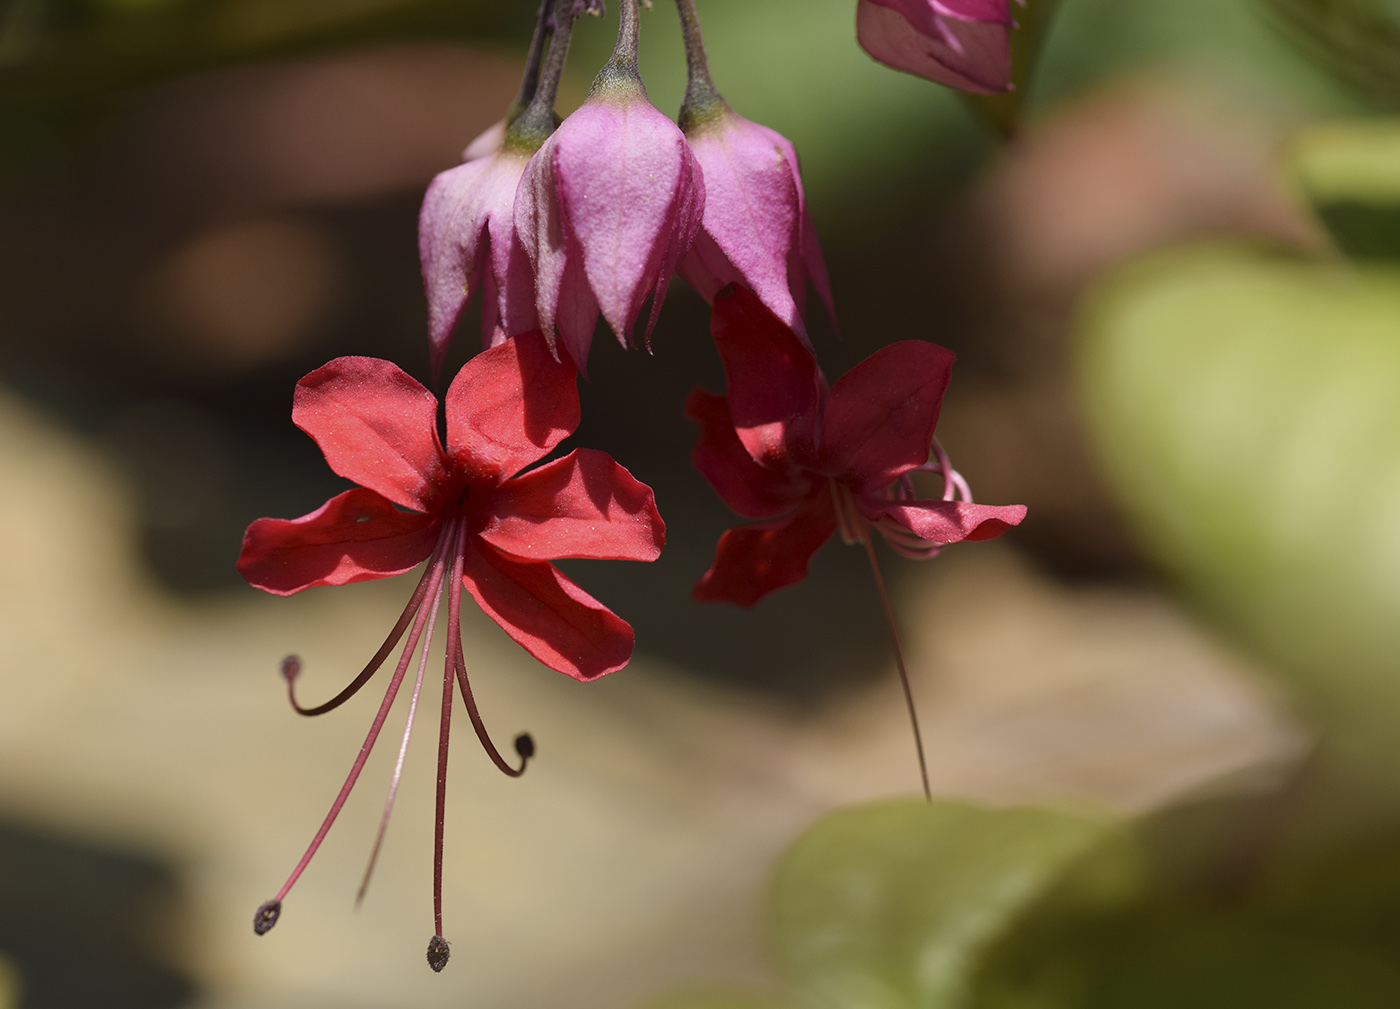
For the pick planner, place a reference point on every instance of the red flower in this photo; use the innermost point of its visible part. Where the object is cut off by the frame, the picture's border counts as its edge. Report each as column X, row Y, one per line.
column 472, row 515
column 812, row 460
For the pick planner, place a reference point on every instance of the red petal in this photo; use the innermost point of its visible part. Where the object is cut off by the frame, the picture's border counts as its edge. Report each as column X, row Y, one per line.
column 946, row 521
column 583, row 505
column 880, row 415
column 774, row 384
column 353, row 537
column 509, row 406
column 754, row 491
column 547, row 615
column 376, row 426
column 752, row 561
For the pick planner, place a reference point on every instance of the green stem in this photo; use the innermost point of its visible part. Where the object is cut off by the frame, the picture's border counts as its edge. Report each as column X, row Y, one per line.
column 702, row 103
column 533, row 126
column 530, row 81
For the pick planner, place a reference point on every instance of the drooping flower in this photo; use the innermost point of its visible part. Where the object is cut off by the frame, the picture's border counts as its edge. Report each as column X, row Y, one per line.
column 466, row 228
column 961, row 43
column 609, row 206
column 810, row 461
column 479, row 522
column 756, row 230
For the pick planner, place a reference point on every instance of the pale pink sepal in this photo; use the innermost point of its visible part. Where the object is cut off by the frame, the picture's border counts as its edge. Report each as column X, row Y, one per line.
column 466, row 242
column 489, row 142
column 756, row 229
column 973, row 56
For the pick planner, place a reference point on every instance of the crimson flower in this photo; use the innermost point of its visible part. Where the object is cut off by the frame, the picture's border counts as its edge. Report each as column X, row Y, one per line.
column 811, row 460
column 478, row 521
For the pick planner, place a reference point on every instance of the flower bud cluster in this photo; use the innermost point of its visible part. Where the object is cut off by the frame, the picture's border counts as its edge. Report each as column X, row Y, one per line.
column 555, row 227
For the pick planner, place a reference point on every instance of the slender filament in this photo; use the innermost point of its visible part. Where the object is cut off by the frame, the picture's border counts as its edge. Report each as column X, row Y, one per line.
column 899, row 660
column 434, row 578
column 415, row 603
column 403, row 745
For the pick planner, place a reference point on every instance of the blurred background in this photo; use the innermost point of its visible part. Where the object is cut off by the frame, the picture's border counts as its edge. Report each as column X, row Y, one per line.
column 1174, row 301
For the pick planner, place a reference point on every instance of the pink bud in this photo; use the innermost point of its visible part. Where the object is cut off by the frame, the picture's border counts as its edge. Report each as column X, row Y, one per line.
column 756, row 228
column 606, row 211
column 960, row 43
column 466, row 242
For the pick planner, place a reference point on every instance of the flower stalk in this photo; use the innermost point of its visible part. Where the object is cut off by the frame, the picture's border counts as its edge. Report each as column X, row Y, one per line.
column 702, row 102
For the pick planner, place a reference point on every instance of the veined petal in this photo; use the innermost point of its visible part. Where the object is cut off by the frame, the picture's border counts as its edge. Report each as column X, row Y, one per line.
column 353, row 537
column 880, row 415
column 972, row 56
column 774, row 383
column 625, row 182
column 562, row 296
column 509, row 406
column 376, row 426
column 752, row 561
column 942, row 522
column 547, row 615
column 583, row 505
column 754, row 491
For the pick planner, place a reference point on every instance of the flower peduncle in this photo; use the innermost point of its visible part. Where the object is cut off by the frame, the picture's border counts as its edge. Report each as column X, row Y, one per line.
column 621, row 72
column 544, row 30
column 534, row 125
column 703, row 104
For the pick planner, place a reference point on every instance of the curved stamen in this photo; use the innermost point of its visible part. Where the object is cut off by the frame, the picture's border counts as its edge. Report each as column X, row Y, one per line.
column 524, row 743
column 403, row 746
column 415, row 601
column 436, row 572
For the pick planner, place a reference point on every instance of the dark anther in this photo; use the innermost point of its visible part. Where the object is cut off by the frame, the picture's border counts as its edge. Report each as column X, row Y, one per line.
column 266, row 916
column 291, row 667
column 525, row 745
column 439, row 949
column 466, row 492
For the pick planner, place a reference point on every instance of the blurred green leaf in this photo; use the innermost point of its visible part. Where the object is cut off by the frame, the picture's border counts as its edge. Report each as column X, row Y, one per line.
column 1349, row 172
column 1356, row 40
column 1246, row 409
column 893, row 906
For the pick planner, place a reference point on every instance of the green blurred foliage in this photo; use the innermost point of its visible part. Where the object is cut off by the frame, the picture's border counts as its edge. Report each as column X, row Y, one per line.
column 1245, row 407
column 893, row 906
column 1349, row 173
column 1357, row 40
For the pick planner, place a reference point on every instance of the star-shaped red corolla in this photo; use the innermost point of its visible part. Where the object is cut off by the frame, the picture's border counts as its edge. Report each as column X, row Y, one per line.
column 812, row 460
column 479, row 522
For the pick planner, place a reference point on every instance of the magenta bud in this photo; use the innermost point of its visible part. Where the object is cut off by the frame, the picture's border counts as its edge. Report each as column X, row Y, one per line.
column 606, row 211
column 961, row 43
column 756, row 229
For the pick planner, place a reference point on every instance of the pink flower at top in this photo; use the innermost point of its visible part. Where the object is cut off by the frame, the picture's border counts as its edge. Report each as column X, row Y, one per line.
column 961, row 43
column 608, row 207
column 475, row 514
column 809, row 460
